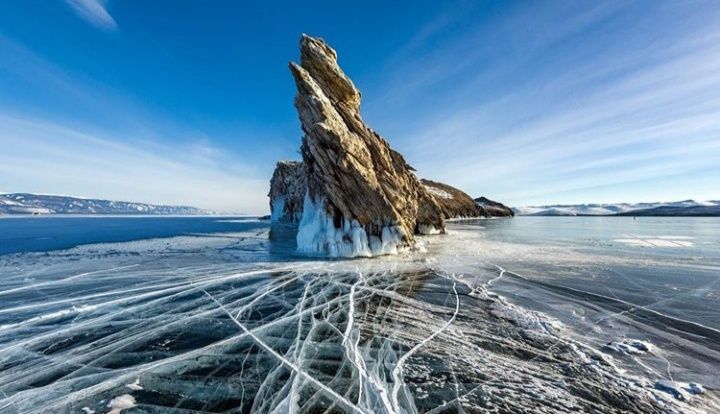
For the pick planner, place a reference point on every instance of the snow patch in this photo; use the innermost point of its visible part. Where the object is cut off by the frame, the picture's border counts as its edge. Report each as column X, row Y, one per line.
column 135, row 386
column 439, row 193
column 630, row 346
column 123, row 402
column 682, row 391
column 527, row 319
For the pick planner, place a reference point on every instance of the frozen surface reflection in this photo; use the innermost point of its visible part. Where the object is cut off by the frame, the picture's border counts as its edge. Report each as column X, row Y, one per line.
column 235, row 323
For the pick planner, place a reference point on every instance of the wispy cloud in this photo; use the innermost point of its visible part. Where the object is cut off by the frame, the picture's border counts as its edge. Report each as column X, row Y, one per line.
column 526, row 102
column 108, row 144
column 44, row 157
column 94, row 12
column 565, row 106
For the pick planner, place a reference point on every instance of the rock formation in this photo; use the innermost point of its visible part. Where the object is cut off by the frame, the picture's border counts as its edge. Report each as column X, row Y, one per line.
column 352, row 194
column 457, row 204
column 453, row 202
column 363, row 198
column 493, row 208
column 287, row 191
column 288, row 187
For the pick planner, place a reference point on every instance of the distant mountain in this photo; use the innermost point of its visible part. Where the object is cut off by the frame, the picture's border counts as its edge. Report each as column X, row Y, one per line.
column 24, row 203
column 676, row 208
column 699, row 210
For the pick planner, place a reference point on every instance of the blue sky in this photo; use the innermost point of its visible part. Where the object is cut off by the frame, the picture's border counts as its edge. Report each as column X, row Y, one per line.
column 191, row 102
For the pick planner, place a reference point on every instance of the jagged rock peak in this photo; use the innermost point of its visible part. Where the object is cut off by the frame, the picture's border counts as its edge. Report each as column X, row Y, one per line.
column 362, row 198
column 320, row 60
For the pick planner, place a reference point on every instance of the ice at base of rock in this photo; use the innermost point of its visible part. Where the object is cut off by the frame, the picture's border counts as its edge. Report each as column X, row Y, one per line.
column 317, row 235
column 278, row 208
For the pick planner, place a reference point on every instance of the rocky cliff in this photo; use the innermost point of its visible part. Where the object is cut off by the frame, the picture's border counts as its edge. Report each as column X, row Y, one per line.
column 362, row 197
column 287, row 191
column 288, row 187
column 453, row 202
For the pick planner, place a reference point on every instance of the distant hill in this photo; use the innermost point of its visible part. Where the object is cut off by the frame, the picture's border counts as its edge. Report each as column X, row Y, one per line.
column 677, row 208
column 25, row 203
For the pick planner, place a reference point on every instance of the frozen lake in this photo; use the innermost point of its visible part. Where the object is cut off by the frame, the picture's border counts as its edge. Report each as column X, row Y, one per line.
column 208, row 314
column 45, row 233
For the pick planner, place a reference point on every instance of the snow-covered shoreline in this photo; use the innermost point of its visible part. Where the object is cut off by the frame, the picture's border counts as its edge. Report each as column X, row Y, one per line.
column 675, row 208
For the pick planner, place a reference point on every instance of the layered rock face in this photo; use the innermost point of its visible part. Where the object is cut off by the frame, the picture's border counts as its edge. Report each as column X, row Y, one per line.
column 287, row 191
column 362, row 197
column 493, row 208
column 453, row 202
column 288, row 187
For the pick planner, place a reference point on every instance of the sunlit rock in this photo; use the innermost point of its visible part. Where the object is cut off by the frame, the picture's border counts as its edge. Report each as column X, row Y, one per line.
column 365, row 198
column 352, row 194
column 453, row 202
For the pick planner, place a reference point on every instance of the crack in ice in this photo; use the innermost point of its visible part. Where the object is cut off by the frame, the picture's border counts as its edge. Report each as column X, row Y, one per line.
column 397, row 372
column 284, row 360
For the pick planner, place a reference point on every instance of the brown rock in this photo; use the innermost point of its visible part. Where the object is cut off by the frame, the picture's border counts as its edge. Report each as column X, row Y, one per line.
column 353, row 195
column 453, row 202
column 356, row 183
column 287, row 191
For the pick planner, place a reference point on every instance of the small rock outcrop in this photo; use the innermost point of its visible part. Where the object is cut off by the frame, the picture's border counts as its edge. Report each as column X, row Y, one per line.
column 493, row 208
column 287, row 191
column 362, row 198
column 453, row 202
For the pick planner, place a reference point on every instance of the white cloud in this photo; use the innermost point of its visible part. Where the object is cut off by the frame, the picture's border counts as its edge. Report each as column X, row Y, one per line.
column 94, row 12
column 552, row 109
column 43, row 157
column 111, row 145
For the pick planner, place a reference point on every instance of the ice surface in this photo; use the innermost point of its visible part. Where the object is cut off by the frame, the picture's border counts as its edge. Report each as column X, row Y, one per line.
column 657, row 241
column 237, row 323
